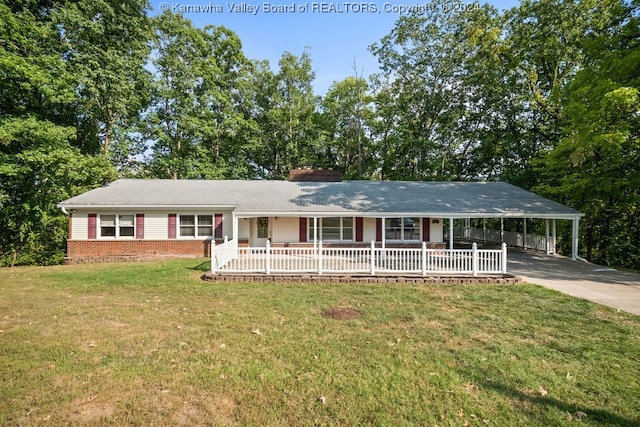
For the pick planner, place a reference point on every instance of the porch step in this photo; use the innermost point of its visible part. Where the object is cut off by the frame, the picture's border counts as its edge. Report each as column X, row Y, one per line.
column 354, row 278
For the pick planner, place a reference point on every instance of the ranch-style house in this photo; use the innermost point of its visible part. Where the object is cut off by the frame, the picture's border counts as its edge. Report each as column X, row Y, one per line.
column 313, row 209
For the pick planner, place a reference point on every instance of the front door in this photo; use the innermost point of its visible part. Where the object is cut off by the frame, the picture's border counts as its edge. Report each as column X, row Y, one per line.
column 260, row 231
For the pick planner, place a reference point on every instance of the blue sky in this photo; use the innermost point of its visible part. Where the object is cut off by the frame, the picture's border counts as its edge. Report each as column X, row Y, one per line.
column 336, row 34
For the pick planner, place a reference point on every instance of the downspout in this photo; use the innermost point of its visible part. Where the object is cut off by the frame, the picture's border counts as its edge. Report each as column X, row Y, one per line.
column 64, row 211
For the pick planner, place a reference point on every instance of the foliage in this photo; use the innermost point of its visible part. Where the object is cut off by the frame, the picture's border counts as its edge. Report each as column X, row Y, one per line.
column 544, row 96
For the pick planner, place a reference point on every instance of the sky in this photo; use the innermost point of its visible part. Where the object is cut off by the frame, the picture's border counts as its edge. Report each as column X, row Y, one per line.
column 336, row 35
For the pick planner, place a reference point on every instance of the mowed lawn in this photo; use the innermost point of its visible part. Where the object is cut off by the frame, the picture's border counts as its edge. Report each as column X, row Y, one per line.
column 152, row 344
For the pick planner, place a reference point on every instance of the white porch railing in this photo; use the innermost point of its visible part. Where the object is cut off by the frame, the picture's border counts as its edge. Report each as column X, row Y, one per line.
column 511, row 238
column 230, row 258
column 223, row 254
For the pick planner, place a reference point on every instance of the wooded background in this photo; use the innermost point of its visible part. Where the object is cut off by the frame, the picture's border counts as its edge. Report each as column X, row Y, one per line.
column 544, row 96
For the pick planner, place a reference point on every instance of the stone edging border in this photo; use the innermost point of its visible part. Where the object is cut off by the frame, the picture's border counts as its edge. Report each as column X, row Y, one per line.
column 298, row 278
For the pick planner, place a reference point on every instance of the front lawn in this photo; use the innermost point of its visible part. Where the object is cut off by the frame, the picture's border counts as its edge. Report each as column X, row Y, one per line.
column 151, row 344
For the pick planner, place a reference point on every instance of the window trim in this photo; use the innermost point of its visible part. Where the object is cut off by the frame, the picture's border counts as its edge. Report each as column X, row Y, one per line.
column 310, row 222
column 417, row 224
column 116, row 225
column 196, row 225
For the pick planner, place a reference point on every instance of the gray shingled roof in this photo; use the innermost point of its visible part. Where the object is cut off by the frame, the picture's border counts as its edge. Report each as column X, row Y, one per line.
column 367, row 198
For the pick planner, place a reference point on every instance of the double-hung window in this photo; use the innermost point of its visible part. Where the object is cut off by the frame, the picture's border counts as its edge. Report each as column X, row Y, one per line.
column 117, row 225
column 402, row 229
column 196, row 225
column 332, row 229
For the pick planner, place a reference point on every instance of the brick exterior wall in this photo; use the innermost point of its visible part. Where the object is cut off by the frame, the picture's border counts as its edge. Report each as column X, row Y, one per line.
column 314, row 175
column 115, row 248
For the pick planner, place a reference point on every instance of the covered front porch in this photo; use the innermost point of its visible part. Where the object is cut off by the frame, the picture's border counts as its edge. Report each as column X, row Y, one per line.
column 372, row 260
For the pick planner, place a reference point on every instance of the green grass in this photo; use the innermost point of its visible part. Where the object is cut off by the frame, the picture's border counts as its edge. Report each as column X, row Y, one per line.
column 151, row 344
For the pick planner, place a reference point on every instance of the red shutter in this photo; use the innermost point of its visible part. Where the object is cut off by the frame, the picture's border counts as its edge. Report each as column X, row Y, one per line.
column 172, row 226
column 139, row 226
column 303, row 230
column 378, row 229
column 359, row 229
column 426, row 229
column 93, row 226
column 218, row 224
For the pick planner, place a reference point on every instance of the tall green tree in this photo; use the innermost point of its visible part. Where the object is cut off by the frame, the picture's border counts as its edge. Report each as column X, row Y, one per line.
column 285, row 111
column 198, row 121
column 595, row 167
column 40, row 162
column 343, row 118
column 106, row 48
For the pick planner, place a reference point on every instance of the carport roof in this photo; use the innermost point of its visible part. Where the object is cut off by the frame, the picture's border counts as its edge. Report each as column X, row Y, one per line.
column 359, row 198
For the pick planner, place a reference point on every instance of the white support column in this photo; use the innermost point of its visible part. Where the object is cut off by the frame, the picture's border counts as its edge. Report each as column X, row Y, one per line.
column 501, row 230
column 450, row 233
column 384, row 233
column 373, row 257
column 574, row 238
column 234, row 232
column 547, row 246
column 484, row 230
column 474, row 259
column 424, row 258
column 315, row 232
column 524, row 233
column 320, row 257
column 268, row 257
column 553, row 237
column 504, row 258
column 213, row 256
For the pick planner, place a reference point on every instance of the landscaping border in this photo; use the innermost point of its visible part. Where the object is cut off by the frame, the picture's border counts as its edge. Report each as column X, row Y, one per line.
column 354, row 278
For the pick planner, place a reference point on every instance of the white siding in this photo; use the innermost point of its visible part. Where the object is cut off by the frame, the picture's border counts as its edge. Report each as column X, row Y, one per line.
column 286, row 230
column 368, row 229
column 156, row 226
column 243, row 228
column 435, row 232
column 80, row 226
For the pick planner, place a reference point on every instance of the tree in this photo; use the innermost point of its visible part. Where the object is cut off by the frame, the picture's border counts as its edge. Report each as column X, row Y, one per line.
column 285, row 111
column 197, row 123
column 344, row 112
column 106, row 48
column 39, row 163
column 595, row 166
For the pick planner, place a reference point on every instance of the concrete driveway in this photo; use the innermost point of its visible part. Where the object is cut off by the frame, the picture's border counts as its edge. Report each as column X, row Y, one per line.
column 607, row 286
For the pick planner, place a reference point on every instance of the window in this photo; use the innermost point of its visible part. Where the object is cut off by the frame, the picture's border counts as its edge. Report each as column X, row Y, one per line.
column 196, row 225
column 107, row 225
column 402, row 229
column 332, row 229
column 126, row 225
column 117, row 226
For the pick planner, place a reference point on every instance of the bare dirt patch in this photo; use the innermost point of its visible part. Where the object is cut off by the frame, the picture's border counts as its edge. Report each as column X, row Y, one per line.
column 342, row 313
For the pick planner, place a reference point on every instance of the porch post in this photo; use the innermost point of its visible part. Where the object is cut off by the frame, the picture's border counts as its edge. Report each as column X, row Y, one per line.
column 504, row 258
column 213, row 256
column 524, row 233
column 268, row 257
column 315, row 232
column 484, row 230
column 474, row 259
column 450, row 233
column 373, row 257
column 320, row 257
column 553, row 236
column 501, row 230
column 574, row 238
column 424, row 258
column 234, row 232
column 384, row 233
column 547, row 247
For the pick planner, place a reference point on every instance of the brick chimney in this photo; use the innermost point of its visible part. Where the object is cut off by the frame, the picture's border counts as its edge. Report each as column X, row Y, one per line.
column 318, row 174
